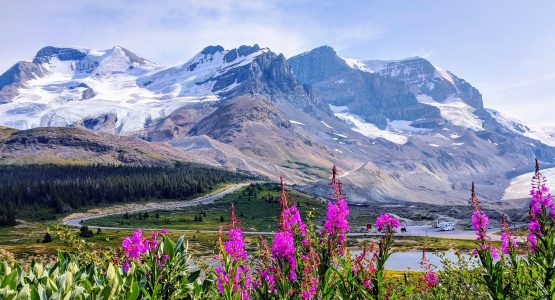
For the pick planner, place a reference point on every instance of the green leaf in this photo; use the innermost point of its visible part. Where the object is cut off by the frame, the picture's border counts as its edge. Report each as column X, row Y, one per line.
column 24, row 293
column 193, row 276
column 134, row 291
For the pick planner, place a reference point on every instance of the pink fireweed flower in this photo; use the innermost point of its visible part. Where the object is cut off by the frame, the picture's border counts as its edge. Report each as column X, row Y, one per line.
column 508, row 242
column 386, row 223
column 269, row 279
column 429, row 277
column 221, row 278
column 136, row 245
column 336, row 224
column 479, row 221
column 367, row 283
column 542, row 207
column 534, row 226
column 494, row 253
column 291, row 218
column 233, row 276
column 532, row 241
column 163, row 231
column 284, row 248
column 126, row 266
column 235, row 246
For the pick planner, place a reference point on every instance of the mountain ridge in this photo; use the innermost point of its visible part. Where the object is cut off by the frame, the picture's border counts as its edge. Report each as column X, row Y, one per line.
column 402, row 131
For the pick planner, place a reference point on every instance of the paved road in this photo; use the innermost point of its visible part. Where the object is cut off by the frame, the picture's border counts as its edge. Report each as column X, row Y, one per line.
column 75, row 219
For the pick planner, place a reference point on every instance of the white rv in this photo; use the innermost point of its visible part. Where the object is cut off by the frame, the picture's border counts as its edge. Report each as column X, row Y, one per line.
column 446, row 226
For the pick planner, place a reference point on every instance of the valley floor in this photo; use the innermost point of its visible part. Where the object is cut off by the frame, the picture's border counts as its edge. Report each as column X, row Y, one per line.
column 256, row 206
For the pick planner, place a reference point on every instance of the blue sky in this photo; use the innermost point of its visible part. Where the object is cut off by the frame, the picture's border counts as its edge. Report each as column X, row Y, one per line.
column 505, row 48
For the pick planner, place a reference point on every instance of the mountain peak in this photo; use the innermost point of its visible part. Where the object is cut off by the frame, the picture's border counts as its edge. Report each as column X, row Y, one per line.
column 62, row 53
column 317, row 64
column 212, row 50
column 423, row 79
column 322, row 50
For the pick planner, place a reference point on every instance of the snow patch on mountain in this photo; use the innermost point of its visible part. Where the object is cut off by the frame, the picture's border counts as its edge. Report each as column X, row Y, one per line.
column 357, row 64
column 445, row 75
column 326, row 124
column 404, row 126
column 52, row 101
column 367, row 129
column 520, row 185
column 297, row 122
column 544, row 135
column 455, row 111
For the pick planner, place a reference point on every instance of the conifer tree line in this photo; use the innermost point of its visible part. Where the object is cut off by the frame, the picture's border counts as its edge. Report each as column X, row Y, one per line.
column 40, row 191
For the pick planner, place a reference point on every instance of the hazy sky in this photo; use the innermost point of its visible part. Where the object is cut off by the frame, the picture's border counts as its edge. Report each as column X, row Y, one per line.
column 504, row 48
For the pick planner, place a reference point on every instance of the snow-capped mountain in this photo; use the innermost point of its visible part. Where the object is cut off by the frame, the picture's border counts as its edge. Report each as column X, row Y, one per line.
column 117, row 91
column 456, row 99
column 401, row 130
column 374, row 98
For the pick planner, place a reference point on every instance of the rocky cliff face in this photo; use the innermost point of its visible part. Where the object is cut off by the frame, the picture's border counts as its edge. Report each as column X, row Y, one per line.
column 375, row 98
column 423, row 78
column 233, row 116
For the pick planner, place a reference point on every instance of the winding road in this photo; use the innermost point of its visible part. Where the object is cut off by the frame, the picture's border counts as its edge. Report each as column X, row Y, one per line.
column 75, row 219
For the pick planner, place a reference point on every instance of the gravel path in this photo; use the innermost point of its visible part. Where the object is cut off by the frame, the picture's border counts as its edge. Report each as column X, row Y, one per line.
column 75, row 219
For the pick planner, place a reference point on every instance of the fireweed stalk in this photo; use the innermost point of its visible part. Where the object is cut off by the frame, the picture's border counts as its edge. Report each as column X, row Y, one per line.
column 429, row 278
column 288, row 248
column 541, row 228
column 309, row 282
column 492, row 266
column 509, row 247
column 386, row 225
column 333, row 235
column 264, row 280
column 232, row 276
column 355, row 274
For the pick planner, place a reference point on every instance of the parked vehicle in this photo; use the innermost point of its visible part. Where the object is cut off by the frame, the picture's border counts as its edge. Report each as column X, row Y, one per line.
column 446, row 226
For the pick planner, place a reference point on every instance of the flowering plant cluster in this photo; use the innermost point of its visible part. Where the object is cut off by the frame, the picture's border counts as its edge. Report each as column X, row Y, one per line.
column 541, row 234
column 232, row 275
column 303, row 261
column 135, row 246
